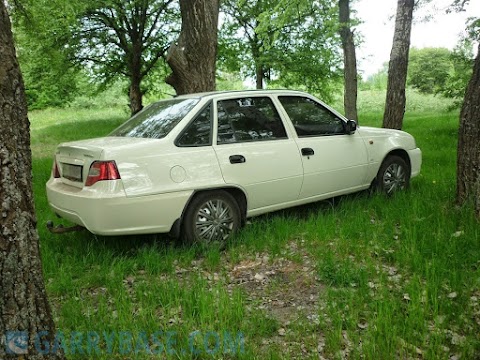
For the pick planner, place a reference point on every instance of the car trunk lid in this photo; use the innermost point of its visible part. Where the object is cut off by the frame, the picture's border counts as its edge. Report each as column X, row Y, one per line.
column 73, row 159
column 73, row 162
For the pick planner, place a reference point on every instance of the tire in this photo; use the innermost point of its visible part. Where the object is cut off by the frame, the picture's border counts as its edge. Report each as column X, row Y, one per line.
column 393, row 176
column 211, row 217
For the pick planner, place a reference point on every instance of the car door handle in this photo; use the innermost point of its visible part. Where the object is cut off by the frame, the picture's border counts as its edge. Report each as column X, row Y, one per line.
column 307, row 151
column 237, row 159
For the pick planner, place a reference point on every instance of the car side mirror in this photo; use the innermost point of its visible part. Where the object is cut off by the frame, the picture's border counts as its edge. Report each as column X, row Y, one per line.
column 351, row 127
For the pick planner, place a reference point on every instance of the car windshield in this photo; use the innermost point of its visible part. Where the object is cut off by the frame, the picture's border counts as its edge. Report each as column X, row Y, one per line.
column 156, row 120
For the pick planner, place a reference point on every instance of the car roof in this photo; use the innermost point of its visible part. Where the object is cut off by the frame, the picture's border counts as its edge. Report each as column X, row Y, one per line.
column 220, row 94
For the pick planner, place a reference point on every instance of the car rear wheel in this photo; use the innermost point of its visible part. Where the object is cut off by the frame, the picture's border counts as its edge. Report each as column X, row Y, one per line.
column 393, row 176
column 211, row 217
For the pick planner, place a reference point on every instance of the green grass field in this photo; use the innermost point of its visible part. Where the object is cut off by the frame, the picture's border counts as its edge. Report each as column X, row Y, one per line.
column 359, row 277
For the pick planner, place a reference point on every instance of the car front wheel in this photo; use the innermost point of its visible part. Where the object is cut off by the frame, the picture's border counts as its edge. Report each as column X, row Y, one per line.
column 211, row 217
column 393, row 176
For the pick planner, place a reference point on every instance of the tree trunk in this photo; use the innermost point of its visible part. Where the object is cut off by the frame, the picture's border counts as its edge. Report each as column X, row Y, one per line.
column 135, row 61
column 256, row 45
column 259, row 76
column 349, row 61
column 398, row 65
column 468, row 158
column 25, row 312
column 193, row 58
column 135, row 94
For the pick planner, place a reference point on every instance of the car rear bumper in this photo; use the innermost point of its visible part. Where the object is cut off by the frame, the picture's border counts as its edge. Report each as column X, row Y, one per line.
column 104, row 209
column 415, row 161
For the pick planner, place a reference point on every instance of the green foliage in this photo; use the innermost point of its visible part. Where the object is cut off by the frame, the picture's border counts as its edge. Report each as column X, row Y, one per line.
column 432, row 71
column 373, row 101
column 290, row 44
column 473, row 29
column 377, row 81
column 98, row 96
column 50, row 79
column 428, row 69
column 68, row 48
column 229, row 81
column 441, row 71
column 154, row 86
column 102, row 39
column 110, row 35
column 306, row 52
column 460, row 72
column 240, row 45
column 462, row 56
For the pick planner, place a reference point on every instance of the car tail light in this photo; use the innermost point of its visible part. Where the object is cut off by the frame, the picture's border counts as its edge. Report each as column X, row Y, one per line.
column 102, row 170
column 55, row 172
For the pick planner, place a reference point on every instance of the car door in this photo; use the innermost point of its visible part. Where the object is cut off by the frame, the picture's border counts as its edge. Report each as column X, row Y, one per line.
column 255, row 153
column 334, row 162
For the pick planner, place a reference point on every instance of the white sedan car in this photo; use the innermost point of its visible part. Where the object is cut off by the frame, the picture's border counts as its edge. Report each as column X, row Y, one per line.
column 198, row 165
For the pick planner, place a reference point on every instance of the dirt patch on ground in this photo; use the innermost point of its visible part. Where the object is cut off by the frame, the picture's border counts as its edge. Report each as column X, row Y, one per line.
column 287, row 290
column 285, row 287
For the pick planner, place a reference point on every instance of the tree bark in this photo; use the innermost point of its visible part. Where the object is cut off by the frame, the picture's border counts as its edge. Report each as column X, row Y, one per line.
column 468, row 156
column 193, row 58
column 256, row 45
column 25, row 311
column 259, row 76
column 135, row 62
column 349, row 61
column 135, row 94
column 398, row 65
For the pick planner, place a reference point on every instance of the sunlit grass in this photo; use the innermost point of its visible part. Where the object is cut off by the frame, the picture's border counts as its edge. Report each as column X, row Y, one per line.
column 395, row 278
column 50, row 127
column 371, row 105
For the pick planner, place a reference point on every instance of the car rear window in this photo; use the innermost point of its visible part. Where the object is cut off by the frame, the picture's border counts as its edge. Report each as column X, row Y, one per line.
column 156, row 120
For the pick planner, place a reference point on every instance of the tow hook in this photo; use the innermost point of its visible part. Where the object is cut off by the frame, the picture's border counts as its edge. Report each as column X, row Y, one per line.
column 60, row 229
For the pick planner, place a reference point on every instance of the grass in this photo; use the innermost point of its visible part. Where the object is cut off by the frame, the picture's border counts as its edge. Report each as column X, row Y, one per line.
column 361, row 277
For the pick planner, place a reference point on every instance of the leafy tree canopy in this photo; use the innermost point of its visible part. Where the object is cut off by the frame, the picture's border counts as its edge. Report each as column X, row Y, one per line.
column 441, row 71
column 110, row 34
column 429, row 69
column 286, row 43
column 107, row 38
column 461, row 59
column 50, row 80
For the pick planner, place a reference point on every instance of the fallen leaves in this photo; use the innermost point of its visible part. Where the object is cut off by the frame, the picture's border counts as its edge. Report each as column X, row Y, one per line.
column 452, row 295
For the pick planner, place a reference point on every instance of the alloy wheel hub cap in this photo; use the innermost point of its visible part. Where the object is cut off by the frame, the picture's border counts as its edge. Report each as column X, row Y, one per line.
column 394, row 178
column 214, row 221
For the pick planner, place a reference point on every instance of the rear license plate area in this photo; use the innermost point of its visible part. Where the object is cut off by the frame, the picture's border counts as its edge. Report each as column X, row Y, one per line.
column 72, row 172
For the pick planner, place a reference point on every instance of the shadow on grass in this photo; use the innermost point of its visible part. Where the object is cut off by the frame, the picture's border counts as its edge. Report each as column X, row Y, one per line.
column 305, row 212
column 130, row 245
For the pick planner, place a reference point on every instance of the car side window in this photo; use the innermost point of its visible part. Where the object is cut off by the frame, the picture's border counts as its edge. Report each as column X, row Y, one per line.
column 248, row 119
column 198, row 132
column 310, row 118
